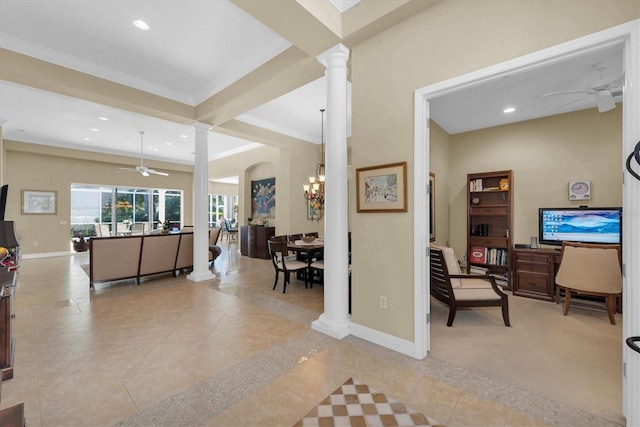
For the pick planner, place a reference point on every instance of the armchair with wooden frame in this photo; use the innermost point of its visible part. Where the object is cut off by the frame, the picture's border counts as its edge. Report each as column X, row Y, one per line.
column 462, row 290
column 590, row 269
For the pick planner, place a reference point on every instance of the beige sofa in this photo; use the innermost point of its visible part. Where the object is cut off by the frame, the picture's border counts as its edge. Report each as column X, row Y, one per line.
column 118, row 258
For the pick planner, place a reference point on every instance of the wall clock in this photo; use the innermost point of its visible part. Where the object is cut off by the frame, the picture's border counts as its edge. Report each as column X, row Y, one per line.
column 580, row 190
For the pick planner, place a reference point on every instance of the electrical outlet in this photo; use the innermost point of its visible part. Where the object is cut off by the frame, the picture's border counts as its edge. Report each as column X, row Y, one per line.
column 35, row 243
column 383, row 302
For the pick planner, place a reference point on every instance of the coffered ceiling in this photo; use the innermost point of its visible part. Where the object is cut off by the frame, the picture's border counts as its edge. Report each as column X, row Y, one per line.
column 227, row 63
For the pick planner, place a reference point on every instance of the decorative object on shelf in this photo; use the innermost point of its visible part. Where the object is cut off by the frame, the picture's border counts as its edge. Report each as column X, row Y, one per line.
column 432, row 206
column 39, row 202
column 382, row 188
column 504, row 184
column 263, row 197
column 314, row 191
column 580, row 190
column 308, row 239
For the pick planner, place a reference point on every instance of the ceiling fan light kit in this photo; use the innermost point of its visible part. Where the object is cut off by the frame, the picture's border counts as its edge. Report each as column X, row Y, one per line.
column 142, row 169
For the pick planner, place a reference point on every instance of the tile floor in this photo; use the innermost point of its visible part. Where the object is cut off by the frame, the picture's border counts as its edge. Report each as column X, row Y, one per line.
column 231, row 352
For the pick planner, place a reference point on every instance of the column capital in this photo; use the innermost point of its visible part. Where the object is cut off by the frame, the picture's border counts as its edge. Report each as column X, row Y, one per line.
column 201, row 127
column 338, row 52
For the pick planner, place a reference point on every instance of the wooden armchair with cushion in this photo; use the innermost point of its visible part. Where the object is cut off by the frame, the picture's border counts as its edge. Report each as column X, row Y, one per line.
column 590, row 269
column 462, row 290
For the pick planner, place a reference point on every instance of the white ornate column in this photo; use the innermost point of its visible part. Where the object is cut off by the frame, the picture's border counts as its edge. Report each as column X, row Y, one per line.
column 201, row 207
column 335, row 320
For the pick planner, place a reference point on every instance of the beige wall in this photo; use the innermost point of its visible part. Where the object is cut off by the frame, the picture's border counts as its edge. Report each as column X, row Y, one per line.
column 445, row 41
column 55, row 169
column 544, row 154
column 291, row 166
column 223, row 188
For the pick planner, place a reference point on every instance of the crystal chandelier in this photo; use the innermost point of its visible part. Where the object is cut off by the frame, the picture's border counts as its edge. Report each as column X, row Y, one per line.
column 314, row 191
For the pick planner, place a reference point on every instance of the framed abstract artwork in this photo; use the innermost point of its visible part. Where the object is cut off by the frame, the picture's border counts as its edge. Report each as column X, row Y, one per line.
column 263, row 198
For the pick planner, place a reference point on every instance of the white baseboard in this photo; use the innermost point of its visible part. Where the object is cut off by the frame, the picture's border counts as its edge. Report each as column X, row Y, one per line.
column 46, row 255
column 389, row 341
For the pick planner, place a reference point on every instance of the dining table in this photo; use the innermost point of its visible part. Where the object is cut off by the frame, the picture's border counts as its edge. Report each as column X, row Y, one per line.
column 309, row 252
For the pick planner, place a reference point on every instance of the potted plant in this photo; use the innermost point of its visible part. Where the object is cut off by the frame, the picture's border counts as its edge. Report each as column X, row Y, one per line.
column 80, row 244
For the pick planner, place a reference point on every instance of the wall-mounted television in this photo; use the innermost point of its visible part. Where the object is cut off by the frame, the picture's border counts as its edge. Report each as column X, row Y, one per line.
column 587, row 225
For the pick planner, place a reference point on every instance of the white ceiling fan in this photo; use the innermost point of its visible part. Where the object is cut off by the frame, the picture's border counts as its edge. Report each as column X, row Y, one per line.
column 604, row 90
column 142, row 169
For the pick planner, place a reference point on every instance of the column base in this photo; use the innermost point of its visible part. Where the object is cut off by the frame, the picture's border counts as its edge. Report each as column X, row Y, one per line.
column 199, row 276
column 338, row 330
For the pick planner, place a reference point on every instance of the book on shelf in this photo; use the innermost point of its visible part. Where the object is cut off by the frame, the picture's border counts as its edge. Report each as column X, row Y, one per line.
column 475, row 185
column 482, row 271
column 478, row 254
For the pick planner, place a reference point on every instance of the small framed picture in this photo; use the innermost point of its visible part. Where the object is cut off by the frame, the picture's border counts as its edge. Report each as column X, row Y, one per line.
column 39, row 202
column 382, row 188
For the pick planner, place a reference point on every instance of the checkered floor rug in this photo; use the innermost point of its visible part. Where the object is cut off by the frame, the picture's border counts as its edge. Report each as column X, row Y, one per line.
column 355, row 404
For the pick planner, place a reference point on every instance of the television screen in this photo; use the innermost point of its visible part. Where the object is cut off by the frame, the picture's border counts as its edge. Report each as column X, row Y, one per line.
column 587, row 225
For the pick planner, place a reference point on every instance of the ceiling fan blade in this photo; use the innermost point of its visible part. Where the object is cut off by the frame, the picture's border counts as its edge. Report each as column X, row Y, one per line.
column 128, row 169
column 157, row 173
column 571, row 92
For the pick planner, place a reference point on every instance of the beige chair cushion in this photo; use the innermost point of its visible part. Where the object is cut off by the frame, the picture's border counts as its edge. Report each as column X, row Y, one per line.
column 292, row 265
column 462, row 294
column 452, row 263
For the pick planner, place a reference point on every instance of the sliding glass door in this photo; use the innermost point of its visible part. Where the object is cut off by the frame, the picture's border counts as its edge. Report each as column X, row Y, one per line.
column 135, row 210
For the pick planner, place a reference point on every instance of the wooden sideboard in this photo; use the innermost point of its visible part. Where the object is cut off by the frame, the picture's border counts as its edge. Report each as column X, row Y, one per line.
column 253, row 240
column 7, row 341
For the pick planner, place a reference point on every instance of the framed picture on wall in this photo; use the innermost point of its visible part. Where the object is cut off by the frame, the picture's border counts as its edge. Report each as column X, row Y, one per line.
column 39, row 202
column 263, row 198
column 382, row 188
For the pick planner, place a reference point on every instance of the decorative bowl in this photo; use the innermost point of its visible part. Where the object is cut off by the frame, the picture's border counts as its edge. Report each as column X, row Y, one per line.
column 308, row 239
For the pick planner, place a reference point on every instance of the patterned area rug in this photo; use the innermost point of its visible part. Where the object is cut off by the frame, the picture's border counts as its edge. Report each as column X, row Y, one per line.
column 355, row 404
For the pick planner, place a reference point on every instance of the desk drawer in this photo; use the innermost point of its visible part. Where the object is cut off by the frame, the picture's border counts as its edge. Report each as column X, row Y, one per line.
column 534, row 285
column 532, row 267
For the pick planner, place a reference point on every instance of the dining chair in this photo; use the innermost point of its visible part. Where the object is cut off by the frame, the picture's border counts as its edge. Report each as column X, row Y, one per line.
column 281, row 263
column 590, row 269
column 316, row 266
column 138, row 228
column 102, row 230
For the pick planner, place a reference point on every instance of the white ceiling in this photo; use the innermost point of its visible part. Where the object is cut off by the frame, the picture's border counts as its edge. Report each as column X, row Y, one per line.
column 193, row 50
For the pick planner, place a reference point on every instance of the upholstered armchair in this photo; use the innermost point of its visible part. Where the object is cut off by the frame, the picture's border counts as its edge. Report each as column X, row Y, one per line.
column 590, row 269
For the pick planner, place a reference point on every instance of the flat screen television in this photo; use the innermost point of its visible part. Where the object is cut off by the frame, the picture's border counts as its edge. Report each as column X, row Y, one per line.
column 587, row 225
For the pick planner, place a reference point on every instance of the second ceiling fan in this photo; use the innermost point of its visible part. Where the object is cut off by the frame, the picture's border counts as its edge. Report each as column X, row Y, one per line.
column 142, row 169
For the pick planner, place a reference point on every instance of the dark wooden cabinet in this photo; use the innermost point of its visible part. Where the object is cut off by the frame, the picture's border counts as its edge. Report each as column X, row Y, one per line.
column 489, row 224
column 535, row 272
column 253, row 240
column 7, row 342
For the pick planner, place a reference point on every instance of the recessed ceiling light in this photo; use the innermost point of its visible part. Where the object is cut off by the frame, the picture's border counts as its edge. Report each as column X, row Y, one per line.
column 103, row 118
column 87, row 139
column 139, row 23
column 509, row 110
column 93, row 130
column 169, row 143
column 156, row 150
column 185, row 136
